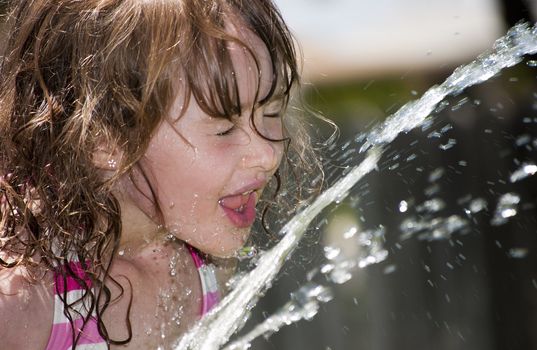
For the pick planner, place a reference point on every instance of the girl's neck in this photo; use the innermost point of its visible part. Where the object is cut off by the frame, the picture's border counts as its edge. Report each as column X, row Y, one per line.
column 141, row 235
column 137, row 229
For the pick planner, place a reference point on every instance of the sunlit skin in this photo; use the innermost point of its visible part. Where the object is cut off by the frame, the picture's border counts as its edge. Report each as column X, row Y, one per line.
column 194, row 160
column 192, row 163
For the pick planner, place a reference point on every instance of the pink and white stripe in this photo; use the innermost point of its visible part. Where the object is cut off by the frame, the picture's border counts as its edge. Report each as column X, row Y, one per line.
column 89, row 338
column 61, row 337
column 209, row 284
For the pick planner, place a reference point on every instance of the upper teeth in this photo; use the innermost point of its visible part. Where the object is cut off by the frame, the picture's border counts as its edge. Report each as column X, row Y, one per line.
column 247, row 192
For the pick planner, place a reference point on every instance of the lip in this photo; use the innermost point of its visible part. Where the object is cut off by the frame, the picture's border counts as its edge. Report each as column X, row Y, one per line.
column 230, row 204
column 246, row 216
column 252, row 186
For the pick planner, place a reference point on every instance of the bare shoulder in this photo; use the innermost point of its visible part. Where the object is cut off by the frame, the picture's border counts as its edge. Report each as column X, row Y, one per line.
column 26, row 310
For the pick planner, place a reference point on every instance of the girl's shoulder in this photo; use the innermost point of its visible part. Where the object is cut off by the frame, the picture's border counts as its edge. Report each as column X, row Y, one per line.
column 26, row 309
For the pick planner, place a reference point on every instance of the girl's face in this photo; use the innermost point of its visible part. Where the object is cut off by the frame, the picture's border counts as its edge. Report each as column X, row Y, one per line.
column 208, row 173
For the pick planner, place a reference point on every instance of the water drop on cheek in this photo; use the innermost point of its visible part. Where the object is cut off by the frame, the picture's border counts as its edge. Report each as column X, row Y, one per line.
column 172, row 204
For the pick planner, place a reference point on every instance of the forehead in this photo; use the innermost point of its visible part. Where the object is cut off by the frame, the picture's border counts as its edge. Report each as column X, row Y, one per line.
column 252, row 65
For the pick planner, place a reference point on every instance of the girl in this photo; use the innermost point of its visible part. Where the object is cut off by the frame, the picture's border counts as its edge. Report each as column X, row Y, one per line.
column 136, row 139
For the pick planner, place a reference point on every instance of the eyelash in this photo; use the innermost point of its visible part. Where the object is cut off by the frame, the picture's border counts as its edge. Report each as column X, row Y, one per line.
column 226, row 132
column 230, row 130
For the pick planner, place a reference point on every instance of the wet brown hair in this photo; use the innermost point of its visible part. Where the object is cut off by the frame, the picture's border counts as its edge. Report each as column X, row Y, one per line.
column 80, row 74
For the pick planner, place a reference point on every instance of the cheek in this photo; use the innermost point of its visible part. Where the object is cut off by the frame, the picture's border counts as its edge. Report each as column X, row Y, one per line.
column 273, row 128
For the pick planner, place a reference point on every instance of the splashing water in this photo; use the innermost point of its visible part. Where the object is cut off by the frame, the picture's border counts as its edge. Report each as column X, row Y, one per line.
column 215, row 329
column 523, row 172
column 507, row 208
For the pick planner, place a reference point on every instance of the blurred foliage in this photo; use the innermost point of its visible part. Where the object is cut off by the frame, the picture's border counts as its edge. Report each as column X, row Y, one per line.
column 356, row 105
column 365, row 102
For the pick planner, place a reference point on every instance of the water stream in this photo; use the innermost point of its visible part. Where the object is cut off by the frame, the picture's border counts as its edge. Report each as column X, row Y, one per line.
column 216, row 328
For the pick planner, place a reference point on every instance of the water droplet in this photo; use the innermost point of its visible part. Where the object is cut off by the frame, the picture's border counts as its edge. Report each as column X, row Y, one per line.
column 432, row 190
column 507, row 213
column 331, row 252
column 403, row 206
column 376, row 257
column 390, row 269
column 459, row 104
column 394, row 166
column 121, row 252
column 523, row 172
column 326, row 268
column 350, row 232
column 531, row 63
column 173, row 265
column 340, row 276
column 436, row 174
column 448, row 145
column 434, row 135
column 518, row 253
column 232, row 282
column 431, row 206
column 477, row 205
column 426, row 125
column 523, row 140
column 411, row 157
column 446, row 128
column 506, row 208
column 247, row 252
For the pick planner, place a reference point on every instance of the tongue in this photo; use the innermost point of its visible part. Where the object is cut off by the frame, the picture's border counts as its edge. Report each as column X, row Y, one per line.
column 234, row 202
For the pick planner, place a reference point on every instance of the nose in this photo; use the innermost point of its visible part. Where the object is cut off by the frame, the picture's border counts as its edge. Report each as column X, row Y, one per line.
column 261, row 153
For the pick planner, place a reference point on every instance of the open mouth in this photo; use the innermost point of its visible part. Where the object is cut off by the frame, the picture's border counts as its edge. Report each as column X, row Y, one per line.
column 240, row 208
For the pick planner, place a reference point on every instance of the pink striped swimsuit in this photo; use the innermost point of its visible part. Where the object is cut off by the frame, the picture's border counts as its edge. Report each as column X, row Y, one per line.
column 61, row 337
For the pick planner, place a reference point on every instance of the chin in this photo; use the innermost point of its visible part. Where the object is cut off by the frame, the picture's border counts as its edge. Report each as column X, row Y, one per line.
column 227, row 251
column 227, row 248
column 222, row 245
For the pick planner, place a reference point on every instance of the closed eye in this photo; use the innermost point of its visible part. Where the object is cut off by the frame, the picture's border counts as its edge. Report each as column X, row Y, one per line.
column 272, row 115
column 226, row 132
